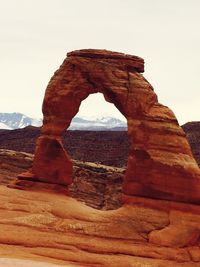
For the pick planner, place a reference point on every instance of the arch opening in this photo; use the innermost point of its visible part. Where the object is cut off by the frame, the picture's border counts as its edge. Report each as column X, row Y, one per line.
column 96, row 106
column 100, row 149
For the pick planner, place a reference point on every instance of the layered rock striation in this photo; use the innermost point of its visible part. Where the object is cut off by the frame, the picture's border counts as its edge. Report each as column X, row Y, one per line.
column 160, row 163
column 52, row 228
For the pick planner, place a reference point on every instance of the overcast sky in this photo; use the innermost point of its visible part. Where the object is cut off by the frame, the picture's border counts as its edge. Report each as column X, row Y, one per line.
column 35, row 36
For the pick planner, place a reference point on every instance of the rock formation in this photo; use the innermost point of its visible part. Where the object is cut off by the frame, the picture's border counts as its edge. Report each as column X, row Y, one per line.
column 160, row 163
column 154, row 227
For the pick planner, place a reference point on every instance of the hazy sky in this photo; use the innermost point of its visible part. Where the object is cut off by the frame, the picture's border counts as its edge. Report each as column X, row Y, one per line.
column 35, row 36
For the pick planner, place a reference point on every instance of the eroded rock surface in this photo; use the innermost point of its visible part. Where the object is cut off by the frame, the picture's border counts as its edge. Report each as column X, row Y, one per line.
column 160, row 163
column 54, row 228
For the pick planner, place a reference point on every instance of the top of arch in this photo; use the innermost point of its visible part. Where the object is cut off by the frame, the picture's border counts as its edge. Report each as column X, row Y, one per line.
column 132, row 62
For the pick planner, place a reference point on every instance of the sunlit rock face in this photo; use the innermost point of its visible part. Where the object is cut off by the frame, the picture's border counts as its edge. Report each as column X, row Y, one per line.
column 160, row 163
column 51, row 228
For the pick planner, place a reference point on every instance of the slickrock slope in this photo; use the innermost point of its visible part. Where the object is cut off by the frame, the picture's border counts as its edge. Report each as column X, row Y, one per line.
column 51, row 227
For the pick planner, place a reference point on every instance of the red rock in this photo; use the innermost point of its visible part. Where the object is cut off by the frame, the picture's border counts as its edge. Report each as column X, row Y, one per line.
column 160, row 163
column 51, row 227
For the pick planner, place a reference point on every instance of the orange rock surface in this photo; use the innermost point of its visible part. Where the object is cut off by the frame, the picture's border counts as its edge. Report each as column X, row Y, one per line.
column 41, row 225
column 160, row 163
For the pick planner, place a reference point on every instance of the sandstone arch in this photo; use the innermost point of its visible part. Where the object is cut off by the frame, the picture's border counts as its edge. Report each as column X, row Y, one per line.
column 160, row 163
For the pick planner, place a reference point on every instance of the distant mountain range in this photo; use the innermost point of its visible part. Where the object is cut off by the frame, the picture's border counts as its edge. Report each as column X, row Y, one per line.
column 11, row 121
column 98, row 124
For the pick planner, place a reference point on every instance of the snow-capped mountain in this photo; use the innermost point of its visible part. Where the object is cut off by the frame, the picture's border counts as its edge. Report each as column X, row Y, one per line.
column 97, row 124
column 15, row 120
column 4, row 126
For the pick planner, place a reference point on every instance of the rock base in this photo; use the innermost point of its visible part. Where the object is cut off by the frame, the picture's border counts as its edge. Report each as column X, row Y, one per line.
column 54, row 228
column 32, row 185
